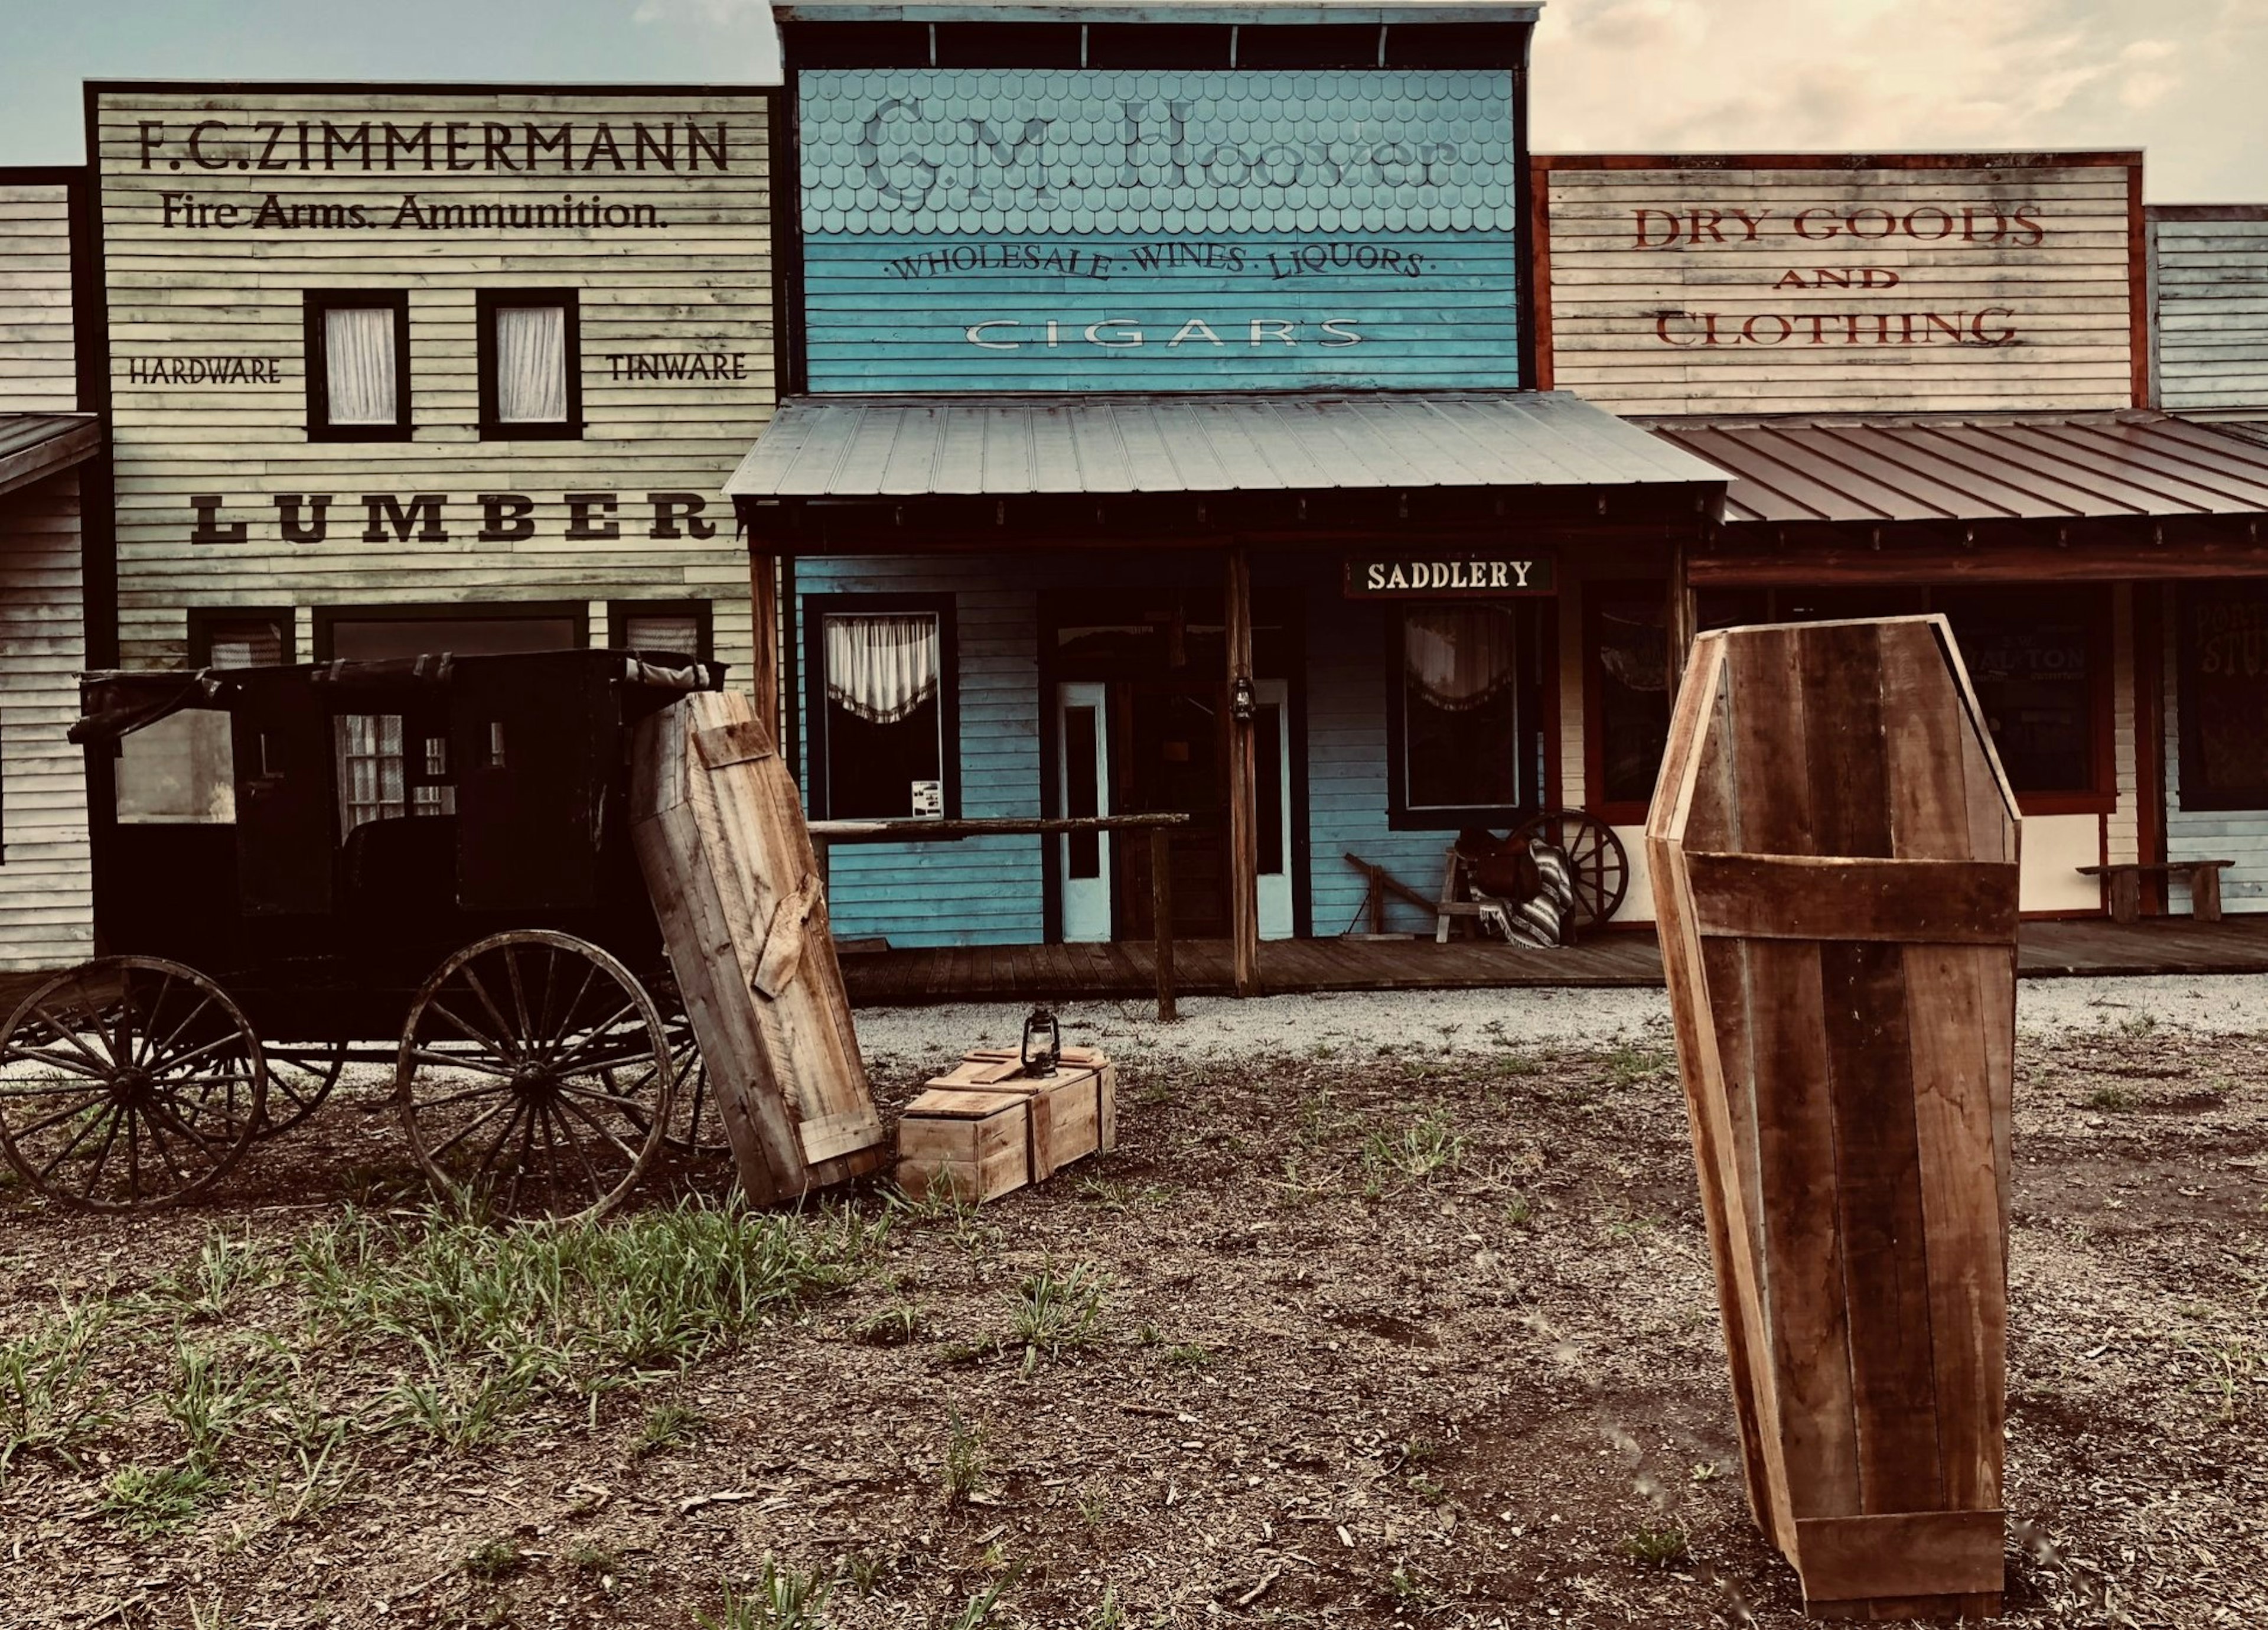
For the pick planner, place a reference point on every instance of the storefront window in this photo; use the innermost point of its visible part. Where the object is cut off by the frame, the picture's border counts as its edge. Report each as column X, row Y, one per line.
column 2033, row 659
column 1630, row 653
column 1461, row 714
column 530, row 365
column 2224, row 695
column 881, row 720
column 358, row 346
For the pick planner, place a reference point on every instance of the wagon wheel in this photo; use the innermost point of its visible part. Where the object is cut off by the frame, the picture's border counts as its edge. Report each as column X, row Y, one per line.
column 1595, row 856
column 129, row 1083
column 534, row 1073
column 696, row 1126
column 299, row 1078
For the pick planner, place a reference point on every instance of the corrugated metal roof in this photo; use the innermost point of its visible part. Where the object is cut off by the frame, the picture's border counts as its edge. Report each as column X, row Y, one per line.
column 883, row 447
column 2017, row 466
column 34, row 445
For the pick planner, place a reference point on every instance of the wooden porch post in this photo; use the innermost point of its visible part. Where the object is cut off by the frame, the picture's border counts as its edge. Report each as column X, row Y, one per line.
column 1243, row 783
column 764, row 619
column 1681, row 620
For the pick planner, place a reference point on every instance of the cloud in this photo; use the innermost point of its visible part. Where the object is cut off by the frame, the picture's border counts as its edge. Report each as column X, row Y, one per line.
column 2179, row 76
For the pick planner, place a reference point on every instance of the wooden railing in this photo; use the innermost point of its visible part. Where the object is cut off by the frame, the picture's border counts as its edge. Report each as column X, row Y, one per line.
column 825, row 834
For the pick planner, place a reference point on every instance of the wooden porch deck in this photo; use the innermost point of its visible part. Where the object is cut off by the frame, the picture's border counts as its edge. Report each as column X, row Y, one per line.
column 1065, row 972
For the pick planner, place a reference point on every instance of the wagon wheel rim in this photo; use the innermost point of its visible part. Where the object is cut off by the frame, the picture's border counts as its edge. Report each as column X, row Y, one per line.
column 1598, row 865
column 299, row 1078
column 533, row 1076
column 129, row 1083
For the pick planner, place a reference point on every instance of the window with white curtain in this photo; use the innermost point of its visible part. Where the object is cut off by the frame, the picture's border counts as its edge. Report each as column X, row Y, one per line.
column 358, row 384
column 882, row 715
column 1463, row 736
column 530, row 365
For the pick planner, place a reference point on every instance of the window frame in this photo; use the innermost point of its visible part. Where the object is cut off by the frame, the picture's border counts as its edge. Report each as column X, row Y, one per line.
column 576, row 613
column 486, row 304
column 205, row 619
column 315, row 304
column 619, row 612
column 814, row 610
column 1595, row 592
column 1535, row 700
column 2101, row 799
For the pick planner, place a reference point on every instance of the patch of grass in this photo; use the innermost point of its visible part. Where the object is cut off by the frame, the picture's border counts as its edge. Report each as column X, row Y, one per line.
column 1517, row 1064
column 964, row 1459
column 1056, row 1308
column 1190, row 1355
column 894, row 1326
column 783, row 1599
column 1519, row 1211
column 1107, row 1614
column 1094, row 1507
column 323, row 1475
column 979, row 1607
column 2114, row 1098
column 864, row 1571
column 211, row 1398
column 1628, row 1063
column 1422, row 1150
column 1655, row 1547
column 1117, row 1198
column 151, row 1500
column 496, row 1559
column 1407, row 1588
column 2230, row 1368
column 1627, row 1226
column 601, row 1560
column 496, row 1317
column 51, row 1399
column 669, row 1425
column 225, row 1268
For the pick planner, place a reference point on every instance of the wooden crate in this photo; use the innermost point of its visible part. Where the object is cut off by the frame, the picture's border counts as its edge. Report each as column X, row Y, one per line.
column 960, row 1128
column 720, row 837
column 1833, row 855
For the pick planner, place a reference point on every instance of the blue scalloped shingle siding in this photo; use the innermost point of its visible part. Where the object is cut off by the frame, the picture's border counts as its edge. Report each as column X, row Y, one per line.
column 1056, row 229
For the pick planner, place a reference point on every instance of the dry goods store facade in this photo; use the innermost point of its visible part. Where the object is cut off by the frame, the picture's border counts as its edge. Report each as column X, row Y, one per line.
column 403, row 368
column 1159, row 440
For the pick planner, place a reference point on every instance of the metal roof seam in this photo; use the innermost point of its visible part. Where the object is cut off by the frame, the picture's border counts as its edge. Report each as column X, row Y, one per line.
column 2123, row 468
column 1743, row 475
column 2046, row 466
column 1944, row 458
column 1834, row 435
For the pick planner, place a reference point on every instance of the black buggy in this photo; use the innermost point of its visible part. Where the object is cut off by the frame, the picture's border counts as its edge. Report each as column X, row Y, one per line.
column 425, row 861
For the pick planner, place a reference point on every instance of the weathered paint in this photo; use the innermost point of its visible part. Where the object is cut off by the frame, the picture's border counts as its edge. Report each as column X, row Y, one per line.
column 2210, row 267
column 46, row 896
column 1816, row 286
column 221, row 207
column 1057, row 229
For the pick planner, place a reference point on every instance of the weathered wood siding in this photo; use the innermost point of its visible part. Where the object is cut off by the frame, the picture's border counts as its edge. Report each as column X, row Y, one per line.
column 2210, row 265
column 1697, row 285
column 46, row 899
column 2237, row 835
column 47, row 909
column 221, row 209
column 37, row 366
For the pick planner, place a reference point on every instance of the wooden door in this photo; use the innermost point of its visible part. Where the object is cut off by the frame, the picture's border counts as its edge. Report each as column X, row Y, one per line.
column 1175, row 760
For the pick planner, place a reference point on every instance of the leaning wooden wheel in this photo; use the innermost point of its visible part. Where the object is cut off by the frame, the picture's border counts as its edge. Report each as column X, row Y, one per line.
column 534, row 1075
column 1595, row 856
column 299, row 1078
column 126, row 1084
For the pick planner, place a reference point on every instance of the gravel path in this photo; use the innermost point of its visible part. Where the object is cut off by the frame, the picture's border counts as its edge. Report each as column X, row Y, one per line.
column 1441, row 1021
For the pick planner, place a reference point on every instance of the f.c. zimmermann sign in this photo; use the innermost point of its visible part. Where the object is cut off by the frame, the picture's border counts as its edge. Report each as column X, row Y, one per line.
column 1450, row 577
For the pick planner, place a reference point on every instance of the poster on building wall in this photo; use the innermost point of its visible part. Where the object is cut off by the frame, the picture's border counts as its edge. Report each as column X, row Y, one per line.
column 1820, row 286
column 1056, row 229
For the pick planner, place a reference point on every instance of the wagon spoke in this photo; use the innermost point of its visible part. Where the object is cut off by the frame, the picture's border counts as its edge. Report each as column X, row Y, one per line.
column 603, row 1033
column 459, row 1061
column 591, row 1172
column 479, row 1038
column 519, row 993
column 101, row 1155
column 470, row 1127
column 150, row 1019
column 158, row 1142
column 519, row 1164
column 554, row 1039
column 29, row 1055
column 613, row 1100
column 59, row 1116
column 133, row 1152
column 501, row 1040
column 488, row 1158
column 585, row 1116
column 70, row 1033
column 486, row 1089
column 194, row 1053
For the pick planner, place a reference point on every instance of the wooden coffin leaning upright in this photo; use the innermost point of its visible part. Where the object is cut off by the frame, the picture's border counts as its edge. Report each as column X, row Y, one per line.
column 720, row 837
column 1834, row 853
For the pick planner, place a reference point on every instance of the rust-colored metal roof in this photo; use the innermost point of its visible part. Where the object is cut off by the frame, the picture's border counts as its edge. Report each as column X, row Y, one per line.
column 1969, row 468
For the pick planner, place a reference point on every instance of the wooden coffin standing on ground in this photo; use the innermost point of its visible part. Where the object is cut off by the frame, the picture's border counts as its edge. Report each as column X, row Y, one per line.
column 985, row 1129
column 1834, row 849
column 720, row 837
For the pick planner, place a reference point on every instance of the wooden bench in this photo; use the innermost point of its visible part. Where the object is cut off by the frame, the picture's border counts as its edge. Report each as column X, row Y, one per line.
column 2203, row 877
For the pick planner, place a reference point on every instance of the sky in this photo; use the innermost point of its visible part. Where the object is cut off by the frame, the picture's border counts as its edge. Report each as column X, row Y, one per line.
column 2186, row 79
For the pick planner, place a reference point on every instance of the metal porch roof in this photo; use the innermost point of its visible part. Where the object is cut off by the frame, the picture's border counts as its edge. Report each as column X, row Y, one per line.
column 889, row 446
column 2017, row 466
column 34, row 445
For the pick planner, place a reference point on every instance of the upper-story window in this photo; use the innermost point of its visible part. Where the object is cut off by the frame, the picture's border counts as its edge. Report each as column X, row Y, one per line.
column 531, row 364
column 357, row 365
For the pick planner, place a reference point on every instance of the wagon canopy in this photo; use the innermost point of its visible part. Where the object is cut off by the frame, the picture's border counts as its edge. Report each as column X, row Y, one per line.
column 114, row 704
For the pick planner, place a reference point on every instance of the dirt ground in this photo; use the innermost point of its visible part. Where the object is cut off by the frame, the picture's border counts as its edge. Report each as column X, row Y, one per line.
column 1343, row 1338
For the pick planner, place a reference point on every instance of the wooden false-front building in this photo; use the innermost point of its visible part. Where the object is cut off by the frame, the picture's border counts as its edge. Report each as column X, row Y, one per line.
column 1159, row 434
column 54, row 505
column 396, row 369
column 1930, row 378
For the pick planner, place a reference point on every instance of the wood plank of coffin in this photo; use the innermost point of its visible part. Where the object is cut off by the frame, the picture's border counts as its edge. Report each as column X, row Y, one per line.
column 1939, row 786
column 1691, row 796
column 1910, row 1554
column 1753, row 896
column 1764, row 736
